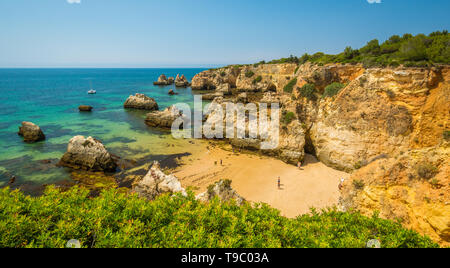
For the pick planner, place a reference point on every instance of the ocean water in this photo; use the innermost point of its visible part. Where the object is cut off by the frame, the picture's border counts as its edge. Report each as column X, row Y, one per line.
column 50, row 99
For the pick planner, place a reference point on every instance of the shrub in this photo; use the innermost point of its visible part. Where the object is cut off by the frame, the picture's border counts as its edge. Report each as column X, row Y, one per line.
column 426, row 170
column 358, row 184
column 249, row 74
column 257, row 79
column 223, row 74
column 115, row 219
column 333, row 89
column 287, row 117
column 290, row 86
column 446, row 135
column 308, row 91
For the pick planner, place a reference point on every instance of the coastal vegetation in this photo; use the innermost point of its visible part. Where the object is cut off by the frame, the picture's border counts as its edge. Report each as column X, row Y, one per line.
column 420, row 50
column 290, row 86
column 115, row 219
column 333, row 89
column 308, row 91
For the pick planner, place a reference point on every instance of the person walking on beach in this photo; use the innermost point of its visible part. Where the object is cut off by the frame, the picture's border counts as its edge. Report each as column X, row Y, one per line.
column 299, row 164
column 279, row 183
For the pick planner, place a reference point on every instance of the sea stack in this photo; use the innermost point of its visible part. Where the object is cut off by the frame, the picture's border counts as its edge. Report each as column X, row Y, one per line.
column 181, row 81
column 88, row 154
column 163, row 81
column 31, row 132
column 142, row 102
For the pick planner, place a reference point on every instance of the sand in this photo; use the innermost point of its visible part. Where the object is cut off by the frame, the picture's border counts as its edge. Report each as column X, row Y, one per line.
column 255, row 178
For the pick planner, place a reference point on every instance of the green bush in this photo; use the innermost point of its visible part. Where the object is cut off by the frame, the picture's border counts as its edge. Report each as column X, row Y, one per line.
column 257, row 79
column 249, row 74
column 333, row 89
column 287, row 117
column 446, row 135
column 290, row 86
column 358, row 184
column 223, row 73
column 119, row 220
column 426, row 170
column 308, row 91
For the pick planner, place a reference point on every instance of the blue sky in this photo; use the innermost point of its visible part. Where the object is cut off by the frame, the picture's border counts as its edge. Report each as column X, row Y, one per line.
column 193, row 33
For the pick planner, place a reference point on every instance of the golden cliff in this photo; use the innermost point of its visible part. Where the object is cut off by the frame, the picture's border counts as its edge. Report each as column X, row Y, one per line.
column 383, row 125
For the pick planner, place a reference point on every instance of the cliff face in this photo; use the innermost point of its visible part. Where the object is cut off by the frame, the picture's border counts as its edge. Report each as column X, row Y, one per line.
column 413, row 187
column 383, row 125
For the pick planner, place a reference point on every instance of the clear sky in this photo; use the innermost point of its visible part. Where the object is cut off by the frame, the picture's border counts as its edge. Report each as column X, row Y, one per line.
column 193, row 33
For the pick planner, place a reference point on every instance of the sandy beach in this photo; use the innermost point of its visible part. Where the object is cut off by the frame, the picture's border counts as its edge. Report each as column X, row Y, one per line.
column 255, row 178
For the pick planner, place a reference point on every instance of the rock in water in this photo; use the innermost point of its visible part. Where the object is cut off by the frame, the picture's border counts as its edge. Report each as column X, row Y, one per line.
column 223, row 190
column 163, row 119
column 163, row 81
column 181, row 81
column 85, row 108
column 88, row 154
column 171, row 92
column 31, row 132
column 156, row 183
column 142, row 102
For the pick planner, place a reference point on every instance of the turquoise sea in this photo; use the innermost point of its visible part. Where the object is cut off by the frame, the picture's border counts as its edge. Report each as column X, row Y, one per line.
column 50, row 99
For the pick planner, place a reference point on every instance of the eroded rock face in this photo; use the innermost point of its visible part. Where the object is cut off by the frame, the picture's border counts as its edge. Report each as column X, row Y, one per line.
column 214, row 78
column 265, row 77
column 163, row 119
column 163, row 81
column 156, row 183
column 142, row 102
column 413, row 187
column 31, row 132
column 88, row 154
column 222, row 189
column 181, row 81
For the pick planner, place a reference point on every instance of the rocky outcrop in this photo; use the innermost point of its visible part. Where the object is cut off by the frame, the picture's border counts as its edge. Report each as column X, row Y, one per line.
column 156, row 183
column 163, row 81
column 31, row 132
column 88, row 154
column 221, row 189
column 172, row 92
column 265, row 77
column 214, row 78
column 85, row 108
column 413, row 187
column 383, row 111
column 163, row 119
column 290, row 138
column 181, row 81
column 142, row 102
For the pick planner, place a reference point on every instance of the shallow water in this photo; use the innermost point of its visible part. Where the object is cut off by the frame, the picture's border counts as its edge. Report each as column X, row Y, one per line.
column 50, row 99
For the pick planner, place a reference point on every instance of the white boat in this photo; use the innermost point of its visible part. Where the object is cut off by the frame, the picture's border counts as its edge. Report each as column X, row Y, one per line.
column 91, row 91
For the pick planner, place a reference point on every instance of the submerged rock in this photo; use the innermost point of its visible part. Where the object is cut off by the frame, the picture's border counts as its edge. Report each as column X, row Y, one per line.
column 163, row 81
column 163, row 119
column 156, row 183
column 85, row 108
column 141, row 101
column 88, row 154
column 223, row 190
column 181, row 81
column 171, row 92
column 31, row 132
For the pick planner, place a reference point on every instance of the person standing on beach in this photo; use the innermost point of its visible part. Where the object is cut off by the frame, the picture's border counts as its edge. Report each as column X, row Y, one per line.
column 299, row 164
column 279, row 183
